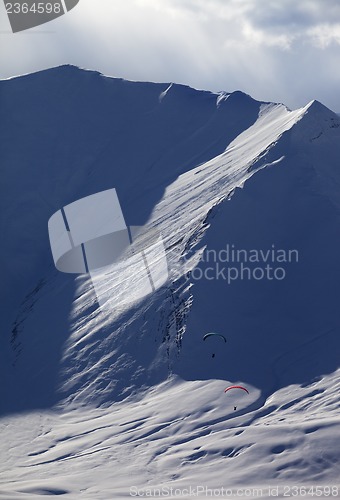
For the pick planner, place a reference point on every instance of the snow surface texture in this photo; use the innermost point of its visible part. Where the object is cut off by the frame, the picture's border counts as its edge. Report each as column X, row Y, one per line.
column 94, row 402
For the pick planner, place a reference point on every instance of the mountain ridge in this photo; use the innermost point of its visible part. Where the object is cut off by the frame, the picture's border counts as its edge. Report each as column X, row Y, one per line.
column 207, row 170
column 278, row 116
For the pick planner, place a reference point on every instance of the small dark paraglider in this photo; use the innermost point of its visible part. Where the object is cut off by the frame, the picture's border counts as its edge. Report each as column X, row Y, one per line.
column 207, row 335
column 212, row 334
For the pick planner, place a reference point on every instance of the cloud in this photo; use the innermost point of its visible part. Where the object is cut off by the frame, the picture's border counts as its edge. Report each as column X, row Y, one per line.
column 274, row 50
column 324, row 35
column 309, row 22
column 271, row 23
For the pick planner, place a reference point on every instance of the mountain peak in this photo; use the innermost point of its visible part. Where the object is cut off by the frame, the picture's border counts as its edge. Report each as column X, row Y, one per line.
column 320, row 109
column 317, row 123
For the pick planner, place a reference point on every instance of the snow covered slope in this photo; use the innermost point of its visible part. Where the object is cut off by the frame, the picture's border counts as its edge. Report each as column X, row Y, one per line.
column 133, row 397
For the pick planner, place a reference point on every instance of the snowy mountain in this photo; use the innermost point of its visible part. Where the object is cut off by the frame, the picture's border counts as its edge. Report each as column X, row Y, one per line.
column 94, row 402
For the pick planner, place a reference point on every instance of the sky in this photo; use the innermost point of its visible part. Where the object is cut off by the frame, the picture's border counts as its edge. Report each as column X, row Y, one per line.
column 275, row 50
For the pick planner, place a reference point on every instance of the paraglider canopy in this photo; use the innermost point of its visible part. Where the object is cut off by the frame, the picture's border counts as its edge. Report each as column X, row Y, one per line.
column 236, row 387
column 214, row 334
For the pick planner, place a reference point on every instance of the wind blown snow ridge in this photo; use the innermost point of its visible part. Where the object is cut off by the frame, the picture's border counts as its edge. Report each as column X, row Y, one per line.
column 136, row 390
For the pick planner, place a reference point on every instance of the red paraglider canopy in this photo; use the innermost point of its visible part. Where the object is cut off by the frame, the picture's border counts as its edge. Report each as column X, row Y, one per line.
column 236, row 387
